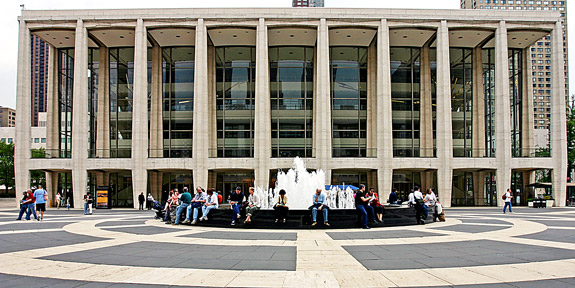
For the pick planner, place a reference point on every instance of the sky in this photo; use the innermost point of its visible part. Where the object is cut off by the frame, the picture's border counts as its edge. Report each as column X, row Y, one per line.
column 10, row 10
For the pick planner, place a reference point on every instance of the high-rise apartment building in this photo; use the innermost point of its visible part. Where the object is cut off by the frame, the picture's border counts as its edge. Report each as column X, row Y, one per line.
column 540, row 54
column 40, row 54
column 7, row 117
column 307, row 3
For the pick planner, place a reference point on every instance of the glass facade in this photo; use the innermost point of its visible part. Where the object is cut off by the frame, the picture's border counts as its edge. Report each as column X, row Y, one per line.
column 178, row 101
column 93, row 72
column 463, row 188
column 348, row 71
column 405, row 100
column 462, row 100
column 488, row 56
column 121, row 190
column 65, row 97
column 121, row 101
column 291, row 92
column 346, row 177
column 235, row 90
column 516, row 103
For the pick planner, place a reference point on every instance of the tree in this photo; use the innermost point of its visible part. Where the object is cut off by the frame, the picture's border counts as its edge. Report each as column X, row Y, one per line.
column 7, row 166
column 571, row 137
column 38, row 177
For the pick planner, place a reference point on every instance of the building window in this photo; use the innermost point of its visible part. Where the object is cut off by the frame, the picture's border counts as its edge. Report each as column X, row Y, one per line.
column 462, row 101
column 291, row 91
column 488, row 56
column 65, row 91
column 178, row 101
column 349, row 101
column 516, row 100
column 121, row 100
column 235, row 90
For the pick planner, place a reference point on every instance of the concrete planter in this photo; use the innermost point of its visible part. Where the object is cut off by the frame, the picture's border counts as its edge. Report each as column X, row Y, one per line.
column 550, row 203
column 530, row 204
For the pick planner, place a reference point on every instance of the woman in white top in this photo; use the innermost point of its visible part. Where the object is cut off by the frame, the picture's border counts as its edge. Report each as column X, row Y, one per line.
column 253, row 205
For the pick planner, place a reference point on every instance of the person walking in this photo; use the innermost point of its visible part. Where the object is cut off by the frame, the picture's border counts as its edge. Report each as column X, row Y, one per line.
column 507, row 198
column 41, row 197
column 141, row 199
column 23, row 205
column 361, row 205
column 31, row 205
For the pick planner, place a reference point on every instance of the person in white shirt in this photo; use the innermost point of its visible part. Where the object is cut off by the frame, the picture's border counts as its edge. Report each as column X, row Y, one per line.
column 418, row 202
column 211, row 203
column 196, row 204
column 253, row 205
column 507, row 200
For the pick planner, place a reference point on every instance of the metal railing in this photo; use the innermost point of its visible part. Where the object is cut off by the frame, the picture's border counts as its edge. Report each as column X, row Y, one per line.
column 110, row 153
column 50, row 154
column 354, row 152
column 473, row 152
column 289, row 152
column 531, row 152
column 247, row 152
column 170, row 153
column 415, row 152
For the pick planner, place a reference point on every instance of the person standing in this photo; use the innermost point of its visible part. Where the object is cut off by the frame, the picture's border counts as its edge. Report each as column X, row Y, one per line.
column 253, row 205
column 236, row 200
column 23, row 206
column 416, row 200
column 361, row 204
column 318, row 204
column 41, row 197
column 58, row 200
column 86, row 204
column 31, row 203
column 430, row 200
column 141, row 199
column 507, row 198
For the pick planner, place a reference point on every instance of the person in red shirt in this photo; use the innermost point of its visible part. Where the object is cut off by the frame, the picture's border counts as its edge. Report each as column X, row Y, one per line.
column 377, row 207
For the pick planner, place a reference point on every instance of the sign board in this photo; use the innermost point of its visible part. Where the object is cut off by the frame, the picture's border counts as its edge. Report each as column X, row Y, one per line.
column 102, row 197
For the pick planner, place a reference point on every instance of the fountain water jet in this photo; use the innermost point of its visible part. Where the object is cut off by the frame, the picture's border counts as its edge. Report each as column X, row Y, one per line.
column 300, row 186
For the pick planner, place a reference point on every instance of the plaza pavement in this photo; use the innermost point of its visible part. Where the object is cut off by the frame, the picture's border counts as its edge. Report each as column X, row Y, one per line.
column 475, row 247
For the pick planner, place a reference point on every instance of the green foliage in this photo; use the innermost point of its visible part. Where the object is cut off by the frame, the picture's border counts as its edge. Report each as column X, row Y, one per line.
column 571, row 136
column 38, row 177
column 7, row 165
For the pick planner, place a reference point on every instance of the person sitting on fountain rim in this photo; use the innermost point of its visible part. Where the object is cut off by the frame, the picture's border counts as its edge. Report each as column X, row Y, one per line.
column 185, row 199
column 281, row 206
column 196, row 204
column 211, row 203
column 318, row 204
column 236, row 200
column 361, row 204
column 253, row 204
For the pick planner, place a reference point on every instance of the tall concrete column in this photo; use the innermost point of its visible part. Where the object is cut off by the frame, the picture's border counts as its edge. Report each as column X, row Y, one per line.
column 23, row 102
column 558, row 118
column 478, row 114
column 426, row 108
column 156, row 123
column 140, row 113
column 201, row 107
column 322, row 113
column 444, row 128
column 262, row 141
column 502, row 112
column 527, row 128
column 52, row 107
column 384, row 111
column 103, row 121
column 372, row 101
column 80, row 120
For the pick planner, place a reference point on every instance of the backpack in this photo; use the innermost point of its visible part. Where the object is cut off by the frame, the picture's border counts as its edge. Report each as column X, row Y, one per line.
column 504, row 197
column 418, row 201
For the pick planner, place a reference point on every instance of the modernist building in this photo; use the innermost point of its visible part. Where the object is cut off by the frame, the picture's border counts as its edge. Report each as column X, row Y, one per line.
column 150, row 100
column 307, row 3
column 7, row 117
column 40, row 54
column 540, row 58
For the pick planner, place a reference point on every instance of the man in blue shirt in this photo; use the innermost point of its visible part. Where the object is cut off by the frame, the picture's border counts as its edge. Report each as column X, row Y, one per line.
column 41, row 196
column 319, row 204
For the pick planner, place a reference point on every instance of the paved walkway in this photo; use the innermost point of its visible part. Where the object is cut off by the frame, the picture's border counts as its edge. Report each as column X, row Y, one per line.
column 476, row 247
